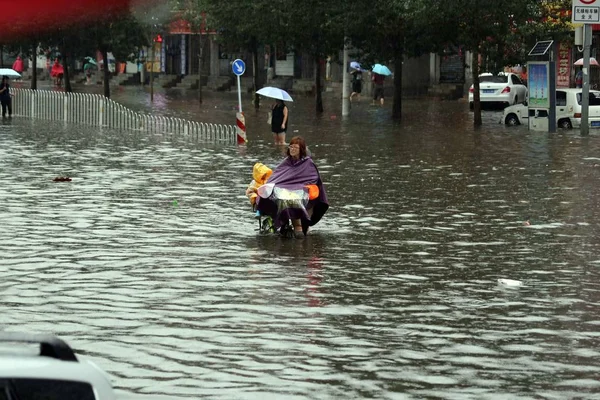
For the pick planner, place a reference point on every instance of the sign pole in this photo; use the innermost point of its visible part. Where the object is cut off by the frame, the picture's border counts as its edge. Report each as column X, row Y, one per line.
column 239, row 93
column 552, row 88
column 586, row 12
column 239, row 67
column 585, row 92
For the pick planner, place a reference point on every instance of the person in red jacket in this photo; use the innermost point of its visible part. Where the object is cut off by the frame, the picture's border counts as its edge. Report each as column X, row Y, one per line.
column 18, row 65
column 378, row 87
column 57, row 72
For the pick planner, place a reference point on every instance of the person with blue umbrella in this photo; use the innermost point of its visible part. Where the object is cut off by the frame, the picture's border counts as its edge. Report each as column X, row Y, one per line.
column 379, row 73
column 88, row 68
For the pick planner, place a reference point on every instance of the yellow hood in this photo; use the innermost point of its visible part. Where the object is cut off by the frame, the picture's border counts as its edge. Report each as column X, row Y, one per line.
column 261, row 173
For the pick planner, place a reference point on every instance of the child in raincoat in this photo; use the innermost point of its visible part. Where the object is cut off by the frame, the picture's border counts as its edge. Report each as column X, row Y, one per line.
column 261, row 174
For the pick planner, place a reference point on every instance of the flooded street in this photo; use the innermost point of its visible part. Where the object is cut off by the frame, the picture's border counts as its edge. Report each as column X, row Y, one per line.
column 149, row 262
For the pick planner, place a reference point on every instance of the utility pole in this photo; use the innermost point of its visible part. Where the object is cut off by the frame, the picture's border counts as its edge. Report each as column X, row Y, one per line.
column 585, row 92
column 345, row 95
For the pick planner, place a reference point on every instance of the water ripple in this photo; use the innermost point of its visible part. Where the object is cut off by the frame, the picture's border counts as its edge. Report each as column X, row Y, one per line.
column 149, row 262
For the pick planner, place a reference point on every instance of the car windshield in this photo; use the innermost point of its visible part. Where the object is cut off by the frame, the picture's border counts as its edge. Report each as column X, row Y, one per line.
column 494, row 79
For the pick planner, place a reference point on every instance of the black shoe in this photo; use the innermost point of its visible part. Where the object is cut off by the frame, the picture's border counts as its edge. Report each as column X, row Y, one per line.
column 287, row 231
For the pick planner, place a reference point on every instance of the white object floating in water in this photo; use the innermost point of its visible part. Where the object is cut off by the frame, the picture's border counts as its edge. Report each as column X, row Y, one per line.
column 510, row 282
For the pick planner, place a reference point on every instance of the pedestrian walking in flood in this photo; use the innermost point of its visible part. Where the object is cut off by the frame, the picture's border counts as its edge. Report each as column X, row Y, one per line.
column 356, row 84
column 378, row 80
column 5, row 99
column 279, row 122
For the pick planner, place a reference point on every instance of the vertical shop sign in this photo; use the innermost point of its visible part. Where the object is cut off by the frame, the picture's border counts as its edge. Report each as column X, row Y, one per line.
column 563, row 65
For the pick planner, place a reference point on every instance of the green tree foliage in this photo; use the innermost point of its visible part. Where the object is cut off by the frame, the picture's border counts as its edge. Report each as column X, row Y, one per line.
column 123, row 35
column 387, row 31
column 316, row 28
column 488, row 28
column 240, row 25
column 194, row 12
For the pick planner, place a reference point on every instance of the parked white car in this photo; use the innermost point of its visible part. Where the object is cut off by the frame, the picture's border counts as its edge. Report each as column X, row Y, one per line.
column 568, row 110
column 49, row 371
column 506, row 88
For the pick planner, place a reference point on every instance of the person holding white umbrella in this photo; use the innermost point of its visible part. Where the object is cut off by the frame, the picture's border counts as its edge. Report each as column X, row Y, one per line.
column 279, row 121
column 280, row 112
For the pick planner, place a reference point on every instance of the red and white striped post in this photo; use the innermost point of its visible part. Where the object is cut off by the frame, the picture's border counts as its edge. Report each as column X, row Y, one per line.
column 241, row 128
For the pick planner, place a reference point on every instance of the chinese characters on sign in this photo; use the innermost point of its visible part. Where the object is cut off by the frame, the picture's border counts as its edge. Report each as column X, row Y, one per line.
column 586, row 14
column 563, row 66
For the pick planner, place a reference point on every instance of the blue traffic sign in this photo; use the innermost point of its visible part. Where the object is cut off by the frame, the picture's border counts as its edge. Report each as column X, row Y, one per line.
column 238, row 67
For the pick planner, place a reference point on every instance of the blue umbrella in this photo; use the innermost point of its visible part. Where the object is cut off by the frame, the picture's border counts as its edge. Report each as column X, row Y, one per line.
column 90, row 60
column 381, row 70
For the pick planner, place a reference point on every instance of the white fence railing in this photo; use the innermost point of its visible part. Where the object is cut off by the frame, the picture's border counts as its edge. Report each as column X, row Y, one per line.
column 97, row 110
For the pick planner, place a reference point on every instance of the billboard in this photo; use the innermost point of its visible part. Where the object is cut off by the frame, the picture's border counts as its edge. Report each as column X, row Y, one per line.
column 538, row 83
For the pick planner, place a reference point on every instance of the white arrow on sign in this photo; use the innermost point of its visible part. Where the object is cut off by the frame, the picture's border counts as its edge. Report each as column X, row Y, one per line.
column 239, row 68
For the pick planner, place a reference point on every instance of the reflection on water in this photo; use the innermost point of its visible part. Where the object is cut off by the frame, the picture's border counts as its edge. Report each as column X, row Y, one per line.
column 148, row 261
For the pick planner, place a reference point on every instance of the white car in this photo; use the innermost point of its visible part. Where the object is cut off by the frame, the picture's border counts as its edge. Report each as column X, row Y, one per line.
column 568, row 110
column 506, row 88
column 49, row 371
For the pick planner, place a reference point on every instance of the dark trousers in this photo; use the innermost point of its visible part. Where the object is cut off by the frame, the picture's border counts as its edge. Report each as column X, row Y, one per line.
column 6, row 103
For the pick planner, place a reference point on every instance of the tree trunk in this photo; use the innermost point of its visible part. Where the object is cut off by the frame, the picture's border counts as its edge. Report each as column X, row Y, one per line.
column 67, row 79
column 476, row 98
column 34, row 68
column 255, row 77
column 397, row 103
column 318, row 84
column 152, row 59
column 201, row 62
column 106, row 73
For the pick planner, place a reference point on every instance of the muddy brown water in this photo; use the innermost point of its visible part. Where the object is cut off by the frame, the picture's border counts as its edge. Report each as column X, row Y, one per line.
column 149, row 263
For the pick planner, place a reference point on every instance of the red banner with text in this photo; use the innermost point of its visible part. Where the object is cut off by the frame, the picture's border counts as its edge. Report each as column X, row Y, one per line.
column 563, row 65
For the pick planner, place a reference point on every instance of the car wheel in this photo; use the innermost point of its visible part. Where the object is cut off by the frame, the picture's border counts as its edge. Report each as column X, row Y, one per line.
column 565, row 123
column 471, row 105
column 511, row 120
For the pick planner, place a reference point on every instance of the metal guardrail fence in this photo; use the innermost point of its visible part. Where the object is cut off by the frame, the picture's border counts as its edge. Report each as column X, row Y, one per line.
column 97, row 110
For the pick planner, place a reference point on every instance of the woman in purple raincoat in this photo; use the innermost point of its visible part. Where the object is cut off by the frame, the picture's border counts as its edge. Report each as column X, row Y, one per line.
column 289, row 198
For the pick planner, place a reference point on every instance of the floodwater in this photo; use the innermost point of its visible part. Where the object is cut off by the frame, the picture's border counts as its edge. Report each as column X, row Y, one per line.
column 149, row 263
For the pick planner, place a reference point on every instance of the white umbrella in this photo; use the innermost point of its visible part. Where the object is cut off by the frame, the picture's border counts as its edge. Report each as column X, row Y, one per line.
column 275, row 93
column 592, row 61
column 11, row 73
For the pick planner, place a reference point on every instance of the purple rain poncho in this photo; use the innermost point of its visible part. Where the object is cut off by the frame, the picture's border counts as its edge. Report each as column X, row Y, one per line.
column 293, row 176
